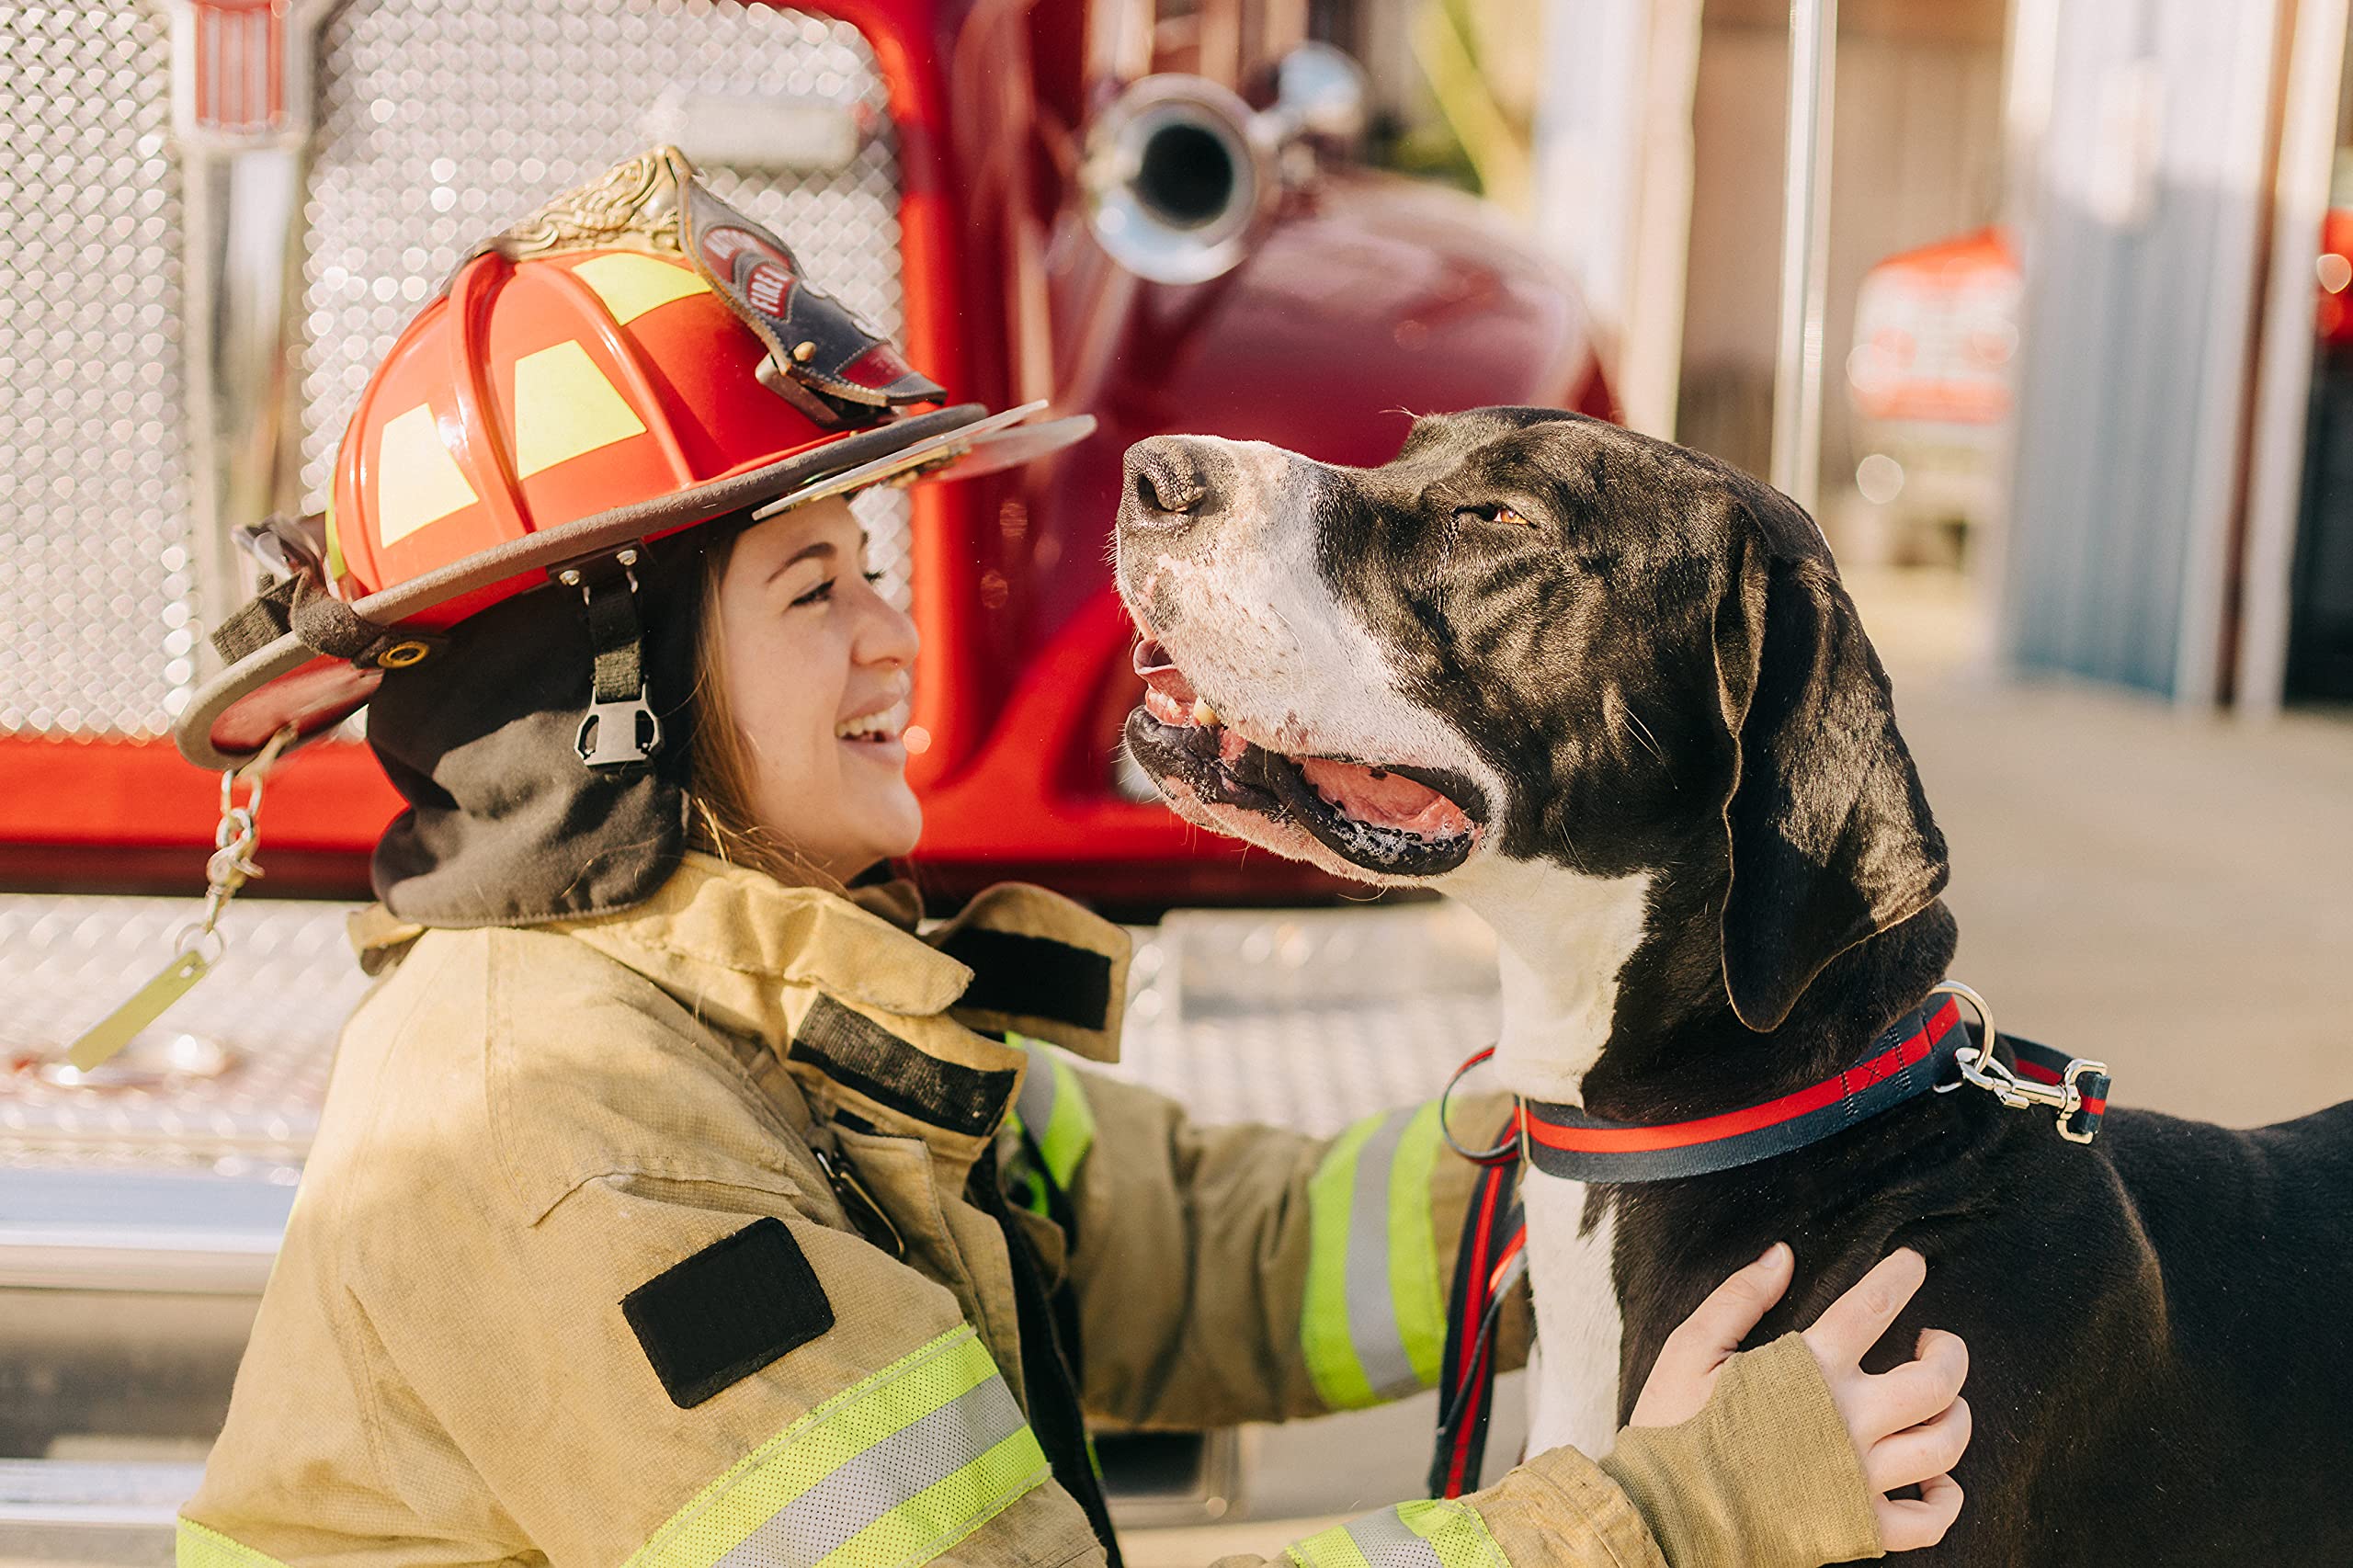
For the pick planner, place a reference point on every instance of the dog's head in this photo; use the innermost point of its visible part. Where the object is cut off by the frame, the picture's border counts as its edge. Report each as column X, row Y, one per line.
column 1530, row 640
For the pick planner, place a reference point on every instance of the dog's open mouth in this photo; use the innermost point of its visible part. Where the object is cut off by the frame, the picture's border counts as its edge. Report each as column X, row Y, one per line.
column 1398, row 820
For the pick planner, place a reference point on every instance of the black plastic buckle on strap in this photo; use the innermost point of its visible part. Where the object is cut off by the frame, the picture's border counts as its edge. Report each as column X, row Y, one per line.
column 620, row 728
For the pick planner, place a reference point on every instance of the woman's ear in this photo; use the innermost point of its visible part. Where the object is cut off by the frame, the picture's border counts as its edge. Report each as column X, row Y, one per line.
column 1830, row 836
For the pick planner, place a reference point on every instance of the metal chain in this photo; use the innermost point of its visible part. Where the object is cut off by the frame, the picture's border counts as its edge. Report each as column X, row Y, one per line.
column 200, row 944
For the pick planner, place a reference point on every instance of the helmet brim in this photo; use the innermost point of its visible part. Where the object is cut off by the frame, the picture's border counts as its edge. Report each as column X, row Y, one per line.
column 232, row 716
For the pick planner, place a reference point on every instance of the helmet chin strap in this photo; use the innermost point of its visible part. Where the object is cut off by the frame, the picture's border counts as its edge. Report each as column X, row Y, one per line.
column 620, row 728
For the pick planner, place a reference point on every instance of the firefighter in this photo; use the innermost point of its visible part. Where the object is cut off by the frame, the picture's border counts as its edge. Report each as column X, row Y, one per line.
column 675, row 1200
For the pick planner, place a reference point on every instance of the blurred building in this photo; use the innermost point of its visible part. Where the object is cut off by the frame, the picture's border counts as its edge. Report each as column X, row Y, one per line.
column 2074, row 369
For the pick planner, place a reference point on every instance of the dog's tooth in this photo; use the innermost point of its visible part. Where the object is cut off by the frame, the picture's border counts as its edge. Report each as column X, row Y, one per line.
column 1203, row 714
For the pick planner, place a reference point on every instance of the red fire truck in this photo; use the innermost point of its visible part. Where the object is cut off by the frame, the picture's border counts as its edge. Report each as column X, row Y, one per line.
column 225, row 209
column 220, row 213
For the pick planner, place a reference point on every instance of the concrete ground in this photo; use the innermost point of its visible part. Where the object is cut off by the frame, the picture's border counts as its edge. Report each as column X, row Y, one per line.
column 2170, row 892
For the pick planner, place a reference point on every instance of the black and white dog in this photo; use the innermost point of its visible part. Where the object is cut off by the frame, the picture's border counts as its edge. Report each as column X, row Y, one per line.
column 1610, row 694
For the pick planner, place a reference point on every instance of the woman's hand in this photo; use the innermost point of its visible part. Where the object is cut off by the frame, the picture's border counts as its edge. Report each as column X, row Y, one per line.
column 1909, row 1423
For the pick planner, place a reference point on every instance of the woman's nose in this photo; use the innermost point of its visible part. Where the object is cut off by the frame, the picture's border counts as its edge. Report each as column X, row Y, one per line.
column 889, row 636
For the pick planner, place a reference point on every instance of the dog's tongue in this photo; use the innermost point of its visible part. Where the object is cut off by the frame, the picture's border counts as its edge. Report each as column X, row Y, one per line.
column 1151, row 661
column 1384, row 800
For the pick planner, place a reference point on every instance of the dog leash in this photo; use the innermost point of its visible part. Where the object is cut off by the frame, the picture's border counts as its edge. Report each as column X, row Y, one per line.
column 1904, row 1062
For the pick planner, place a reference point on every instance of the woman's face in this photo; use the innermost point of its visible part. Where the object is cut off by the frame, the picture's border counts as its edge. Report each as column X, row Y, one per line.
column 817, row 665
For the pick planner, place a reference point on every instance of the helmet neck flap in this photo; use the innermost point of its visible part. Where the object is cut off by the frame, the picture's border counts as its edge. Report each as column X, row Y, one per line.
column 504, row 826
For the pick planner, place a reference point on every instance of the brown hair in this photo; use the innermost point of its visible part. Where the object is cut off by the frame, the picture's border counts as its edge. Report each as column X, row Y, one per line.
column 719, row 817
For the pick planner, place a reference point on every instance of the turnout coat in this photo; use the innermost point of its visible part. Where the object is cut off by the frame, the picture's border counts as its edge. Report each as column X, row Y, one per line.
column 747, row 1227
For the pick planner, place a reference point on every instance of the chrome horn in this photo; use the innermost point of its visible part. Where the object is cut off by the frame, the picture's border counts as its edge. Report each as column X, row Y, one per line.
column 1179, row 172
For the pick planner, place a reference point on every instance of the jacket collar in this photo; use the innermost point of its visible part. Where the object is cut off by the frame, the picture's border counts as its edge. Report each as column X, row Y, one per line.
column 899, row 1018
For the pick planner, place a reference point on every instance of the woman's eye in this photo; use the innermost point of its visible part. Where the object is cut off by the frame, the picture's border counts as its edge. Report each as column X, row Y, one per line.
column 818, row 595
column 874, row 576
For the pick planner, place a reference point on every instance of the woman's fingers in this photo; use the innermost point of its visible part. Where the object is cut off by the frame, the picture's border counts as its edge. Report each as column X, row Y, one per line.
column 1916, row 1391
column 1905, row 1526
column 1685, row 1372
column 1913, row 1456
column 1853, row 1323
column 1718, row 1325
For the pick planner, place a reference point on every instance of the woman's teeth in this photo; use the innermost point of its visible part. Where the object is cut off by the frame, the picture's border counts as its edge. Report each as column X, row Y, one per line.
column 882, row 726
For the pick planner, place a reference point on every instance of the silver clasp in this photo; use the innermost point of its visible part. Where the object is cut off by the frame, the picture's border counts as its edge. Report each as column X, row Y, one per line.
column 1979, row 1067
column 615, row 735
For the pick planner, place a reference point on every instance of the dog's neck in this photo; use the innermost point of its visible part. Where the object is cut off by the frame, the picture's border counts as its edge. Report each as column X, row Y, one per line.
column 1562, row 940
column 1614, row 999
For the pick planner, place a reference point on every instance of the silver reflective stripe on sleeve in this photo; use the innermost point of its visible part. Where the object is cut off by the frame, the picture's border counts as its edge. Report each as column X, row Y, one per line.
column 822, row 1519
column 887, row 1473
column 1428, row 1534
column 1372, row 1325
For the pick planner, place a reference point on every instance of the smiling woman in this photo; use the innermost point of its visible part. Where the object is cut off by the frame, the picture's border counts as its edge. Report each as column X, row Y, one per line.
column 803, row 678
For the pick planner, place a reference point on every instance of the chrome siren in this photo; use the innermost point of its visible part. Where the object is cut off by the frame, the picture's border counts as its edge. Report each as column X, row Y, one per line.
column 1180, row 173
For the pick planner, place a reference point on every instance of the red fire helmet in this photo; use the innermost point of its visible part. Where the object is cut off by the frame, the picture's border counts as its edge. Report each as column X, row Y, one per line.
column 632, row 359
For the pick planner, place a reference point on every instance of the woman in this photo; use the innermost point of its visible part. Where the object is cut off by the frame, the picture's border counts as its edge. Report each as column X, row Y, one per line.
column 674, row 1203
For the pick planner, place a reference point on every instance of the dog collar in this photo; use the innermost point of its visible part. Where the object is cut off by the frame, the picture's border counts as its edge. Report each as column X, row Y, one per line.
column 1906, row 1062
column 1903, row 1063
column 1926, row 1051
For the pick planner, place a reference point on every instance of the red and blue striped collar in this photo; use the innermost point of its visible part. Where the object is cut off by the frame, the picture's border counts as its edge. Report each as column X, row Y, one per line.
column 1928, row 1050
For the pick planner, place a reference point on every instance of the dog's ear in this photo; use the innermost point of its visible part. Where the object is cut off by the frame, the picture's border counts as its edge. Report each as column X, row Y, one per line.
column 1830, row 834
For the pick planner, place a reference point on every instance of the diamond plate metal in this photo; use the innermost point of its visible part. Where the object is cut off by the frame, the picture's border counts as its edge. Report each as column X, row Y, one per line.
column 442, row 121
column 96, row 612
column 1304, row 1019
column 274, row 1003
column 439, row 121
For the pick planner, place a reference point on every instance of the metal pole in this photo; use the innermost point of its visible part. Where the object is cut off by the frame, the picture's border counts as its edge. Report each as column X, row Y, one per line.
column 1805, row 252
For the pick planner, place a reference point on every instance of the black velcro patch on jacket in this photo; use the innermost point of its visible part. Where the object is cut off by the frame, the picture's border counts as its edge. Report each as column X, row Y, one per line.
column 722, row 1315
column 853, row 1050
column 1034, row 977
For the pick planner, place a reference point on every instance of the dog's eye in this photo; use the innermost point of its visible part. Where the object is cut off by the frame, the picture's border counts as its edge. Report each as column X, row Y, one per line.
column 1495, row 514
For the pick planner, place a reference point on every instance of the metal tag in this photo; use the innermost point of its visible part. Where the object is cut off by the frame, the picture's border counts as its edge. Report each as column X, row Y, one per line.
column 114, row 1032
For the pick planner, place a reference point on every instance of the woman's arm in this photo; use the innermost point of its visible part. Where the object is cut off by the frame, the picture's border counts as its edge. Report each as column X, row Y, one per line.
column 1229, row 1274
column 1777, row 1457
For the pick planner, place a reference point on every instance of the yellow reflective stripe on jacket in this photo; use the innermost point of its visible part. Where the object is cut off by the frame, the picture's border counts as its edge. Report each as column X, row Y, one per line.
column 1053, row 1109
column 1430, row 1534
column 197, row 1547
column 887, row 1473
column 1374, row 1324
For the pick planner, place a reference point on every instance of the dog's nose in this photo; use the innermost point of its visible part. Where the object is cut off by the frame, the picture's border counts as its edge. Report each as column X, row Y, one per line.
column 1169, row 481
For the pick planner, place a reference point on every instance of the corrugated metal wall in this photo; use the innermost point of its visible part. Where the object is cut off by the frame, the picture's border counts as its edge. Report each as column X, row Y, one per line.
column 2143, row 219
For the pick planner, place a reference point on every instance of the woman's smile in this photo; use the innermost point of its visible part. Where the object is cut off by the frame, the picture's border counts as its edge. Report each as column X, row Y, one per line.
column 814, row 664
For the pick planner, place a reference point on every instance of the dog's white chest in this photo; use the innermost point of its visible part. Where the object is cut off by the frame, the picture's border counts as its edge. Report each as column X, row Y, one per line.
column 1573, row 1390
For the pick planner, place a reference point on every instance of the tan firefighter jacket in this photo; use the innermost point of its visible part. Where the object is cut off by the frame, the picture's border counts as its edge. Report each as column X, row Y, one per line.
column 654, row 1238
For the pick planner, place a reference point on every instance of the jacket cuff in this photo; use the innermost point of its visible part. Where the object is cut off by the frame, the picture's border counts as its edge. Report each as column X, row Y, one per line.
column 1559, row 1508
column 1764, row 1475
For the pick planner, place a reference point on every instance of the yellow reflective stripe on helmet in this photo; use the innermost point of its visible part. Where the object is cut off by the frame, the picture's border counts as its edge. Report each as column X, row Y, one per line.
column 1054, row 1108
column 1373, row 1323
column 195, row 1546
column 887, row 1473
column 1428, row 1534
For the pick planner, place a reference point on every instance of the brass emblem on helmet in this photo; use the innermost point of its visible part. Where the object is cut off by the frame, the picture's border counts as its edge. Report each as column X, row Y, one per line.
column 632, row 204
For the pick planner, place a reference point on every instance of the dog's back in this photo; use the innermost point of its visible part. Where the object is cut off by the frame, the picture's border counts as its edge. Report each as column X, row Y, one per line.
column 2159, row 1337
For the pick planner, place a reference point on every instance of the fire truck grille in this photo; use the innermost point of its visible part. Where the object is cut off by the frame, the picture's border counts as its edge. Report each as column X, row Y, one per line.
column 439, row 121
column 95, row 618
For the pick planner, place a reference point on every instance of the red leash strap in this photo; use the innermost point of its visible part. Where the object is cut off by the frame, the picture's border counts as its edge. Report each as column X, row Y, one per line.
column 1486, row 1266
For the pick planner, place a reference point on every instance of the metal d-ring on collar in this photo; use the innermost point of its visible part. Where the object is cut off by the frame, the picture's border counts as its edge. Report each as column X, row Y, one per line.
column 1509, row 1148
column 2077, row 1111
